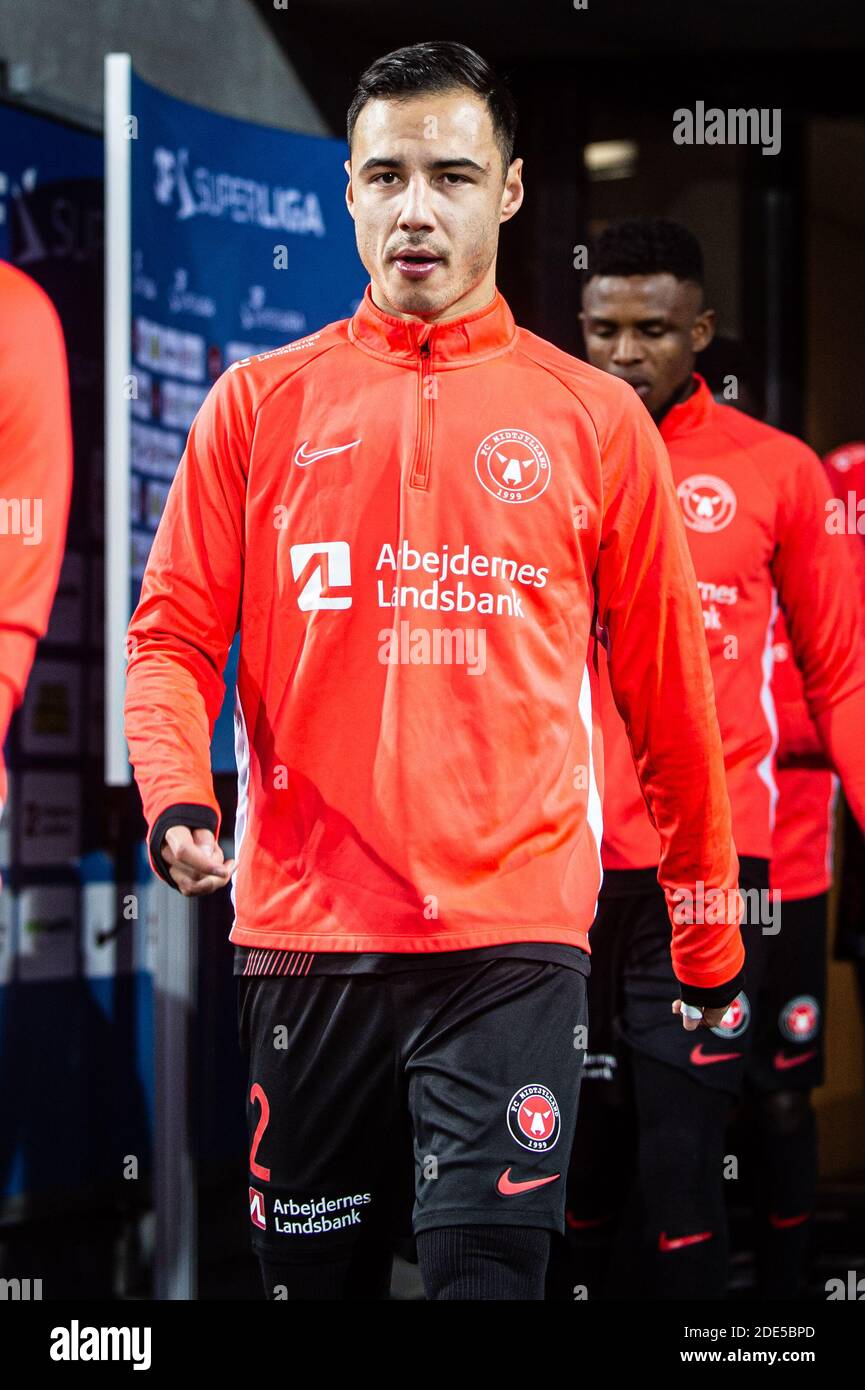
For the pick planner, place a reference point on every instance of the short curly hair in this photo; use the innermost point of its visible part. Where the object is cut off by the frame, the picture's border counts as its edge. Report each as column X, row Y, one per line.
column 647, row 246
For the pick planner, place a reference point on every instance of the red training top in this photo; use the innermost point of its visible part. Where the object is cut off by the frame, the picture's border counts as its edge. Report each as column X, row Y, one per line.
column 413, row 527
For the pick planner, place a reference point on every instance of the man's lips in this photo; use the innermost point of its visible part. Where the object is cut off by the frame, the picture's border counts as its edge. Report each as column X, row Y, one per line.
column 416, row 264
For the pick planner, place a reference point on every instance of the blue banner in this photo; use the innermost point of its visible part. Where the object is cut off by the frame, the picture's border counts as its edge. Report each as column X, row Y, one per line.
column 241, row 242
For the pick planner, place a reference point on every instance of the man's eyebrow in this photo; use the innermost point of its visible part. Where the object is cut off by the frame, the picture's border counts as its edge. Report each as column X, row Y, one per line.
column 389, row 162
column 463, row 162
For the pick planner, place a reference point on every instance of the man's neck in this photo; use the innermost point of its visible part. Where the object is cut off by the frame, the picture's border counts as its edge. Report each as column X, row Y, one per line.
column 471, row 303
column 681, row 393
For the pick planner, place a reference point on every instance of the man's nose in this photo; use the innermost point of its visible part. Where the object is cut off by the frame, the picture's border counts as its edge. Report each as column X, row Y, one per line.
column 627, row 349
column 416, row 210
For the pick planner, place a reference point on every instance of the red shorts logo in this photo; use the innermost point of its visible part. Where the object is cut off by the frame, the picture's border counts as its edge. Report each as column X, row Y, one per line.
column 799, row 1020
column 512, row 465
column 533, row 1118
column 256, row 1209
column 736, row 1019
column 708, row 503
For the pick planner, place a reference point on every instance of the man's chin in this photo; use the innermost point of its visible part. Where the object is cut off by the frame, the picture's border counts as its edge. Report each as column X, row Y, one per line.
column 418, row 297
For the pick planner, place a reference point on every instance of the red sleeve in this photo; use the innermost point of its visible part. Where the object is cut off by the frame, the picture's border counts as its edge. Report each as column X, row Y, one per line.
column 36, row 470
column 797, row 736
column 662, row 686
column 819, row 578
column 181, row 631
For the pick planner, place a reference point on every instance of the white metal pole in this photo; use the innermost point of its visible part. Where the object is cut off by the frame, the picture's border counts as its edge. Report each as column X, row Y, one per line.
column 118, row 243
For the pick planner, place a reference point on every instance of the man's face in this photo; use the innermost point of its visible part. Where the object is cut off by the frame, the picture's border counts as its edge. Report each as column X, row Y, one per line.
column 647, row 330
column 427, row 195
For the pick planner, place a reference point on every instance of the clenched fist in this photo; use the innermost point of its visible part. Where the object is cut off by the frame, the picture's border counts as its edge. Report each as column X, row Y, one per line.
column 195, row 861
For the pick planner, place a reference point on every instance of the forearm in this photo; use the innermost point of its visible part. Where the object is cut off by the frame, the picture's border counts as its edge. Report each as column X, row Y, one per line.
column 168, row 724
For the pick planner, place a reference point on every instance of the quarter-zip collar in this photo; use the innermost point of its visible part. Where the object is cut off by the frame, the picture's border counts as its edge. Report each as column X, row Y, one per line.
column 461, row 342
column 688, row 415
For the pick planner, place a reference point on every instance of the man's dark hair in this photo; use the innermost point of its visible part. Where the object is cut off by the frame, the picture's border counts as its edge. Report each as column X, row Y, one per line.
column 647, row 246
column 439, row 66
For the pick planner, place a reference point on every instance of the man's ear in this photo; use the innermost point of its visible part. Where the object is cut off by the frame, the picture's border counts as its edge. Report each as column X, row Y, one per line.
column 704, row 330
column 512, row 194
column 349, row 195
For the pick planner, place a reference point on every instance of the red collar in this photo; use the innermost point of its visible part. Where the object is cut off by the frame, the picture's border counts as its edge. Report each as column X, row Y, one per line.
column 485, row 333
column 688, row 415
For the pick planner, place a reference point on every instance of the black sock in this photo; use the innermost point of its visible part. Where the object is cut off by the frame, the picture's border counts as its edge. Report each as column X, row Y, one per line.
column 786, row 1153
column 600, row 1183
column 484, row 1262
column 682, row 1130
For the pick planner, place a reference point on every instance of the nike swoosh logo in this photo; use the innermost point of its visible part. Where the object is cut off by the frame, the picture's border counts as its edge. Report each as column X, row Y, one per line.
column 588, row 1225
column 303, row 459
column 783, row 1223
column 782, row 1063
column 704, row 1059
column 679, row 1242
column 507, row 1188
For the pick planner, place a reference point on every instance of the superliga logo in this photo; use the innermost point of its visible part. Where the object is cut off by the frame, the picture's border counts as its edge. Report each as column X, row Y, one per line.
column 512, row 465
column 200, row 191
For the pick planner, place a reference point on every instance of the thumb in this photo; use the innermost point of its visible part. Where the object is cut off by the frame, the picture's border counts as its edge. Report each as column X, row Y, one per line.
column 206, row 840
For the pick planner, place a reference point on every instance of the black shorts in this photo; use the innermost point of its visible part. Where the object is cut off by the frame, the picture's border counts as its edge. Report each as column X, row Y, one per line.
column 632, row 988
column 787, row 1052
column 379, row 1105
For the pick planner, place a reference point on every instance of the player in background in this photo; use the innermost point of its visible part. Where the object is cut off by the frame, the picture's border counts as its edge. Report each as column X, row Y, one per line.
column 776, row 1123
column 753, row 501
column 418, row 843
column 787, row 1060
column 36, row 479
